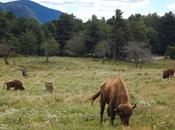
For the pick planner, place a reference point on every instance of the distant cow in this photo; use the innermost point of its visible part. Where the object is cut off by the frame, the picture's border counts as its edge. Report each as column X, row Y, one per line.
column 49, row 87
column 115, row 94
column 24, row 72
column 16, row 84
column 168, row 73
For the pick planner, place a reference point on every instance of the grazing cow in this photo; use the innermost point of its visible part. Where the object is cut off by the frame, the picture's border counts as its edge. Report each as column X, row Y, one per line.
column 16, row 84
column 49, row 87
column 168, row 73
column 115, row 94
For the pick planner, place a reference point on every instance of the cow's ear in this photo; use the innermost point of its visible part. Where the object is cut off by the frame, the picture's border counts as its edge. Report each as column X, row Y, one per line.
column 134, row 106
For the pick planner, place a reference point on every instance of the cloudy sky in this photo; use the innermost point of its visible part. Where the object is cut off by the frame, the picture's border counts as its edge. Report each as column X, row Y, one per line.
column 105, row 8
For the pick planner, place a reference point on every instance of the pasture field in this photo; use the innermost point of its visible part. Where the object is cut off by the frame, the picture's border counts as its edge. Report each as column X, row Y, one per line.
column 75, row 80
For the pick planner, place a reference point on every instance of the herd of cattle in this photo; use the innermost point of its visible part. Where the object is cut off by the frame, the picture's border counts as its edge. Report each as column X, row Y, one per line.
column 18, row 85
column 112, row 92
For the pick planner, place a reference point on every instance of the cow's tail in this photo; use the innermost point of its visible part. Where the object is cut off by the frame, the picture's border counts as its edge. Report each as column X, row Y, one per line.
column 92, row 99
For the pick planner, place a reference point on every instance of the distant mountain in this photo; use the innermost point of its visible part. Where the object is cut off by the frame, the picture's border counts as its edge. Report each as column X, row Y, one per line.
column 30, row 9
column 1, row 5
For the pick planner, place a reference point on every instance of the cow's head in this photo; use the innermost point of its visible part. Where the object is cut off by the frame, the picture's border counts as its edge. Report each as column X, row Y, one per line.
column 124, row 111
column 22, row 88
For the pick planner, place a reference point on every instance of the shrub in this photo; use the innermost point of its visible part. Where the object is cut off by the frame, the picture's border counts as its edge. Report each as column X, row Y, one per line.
column 171, row 52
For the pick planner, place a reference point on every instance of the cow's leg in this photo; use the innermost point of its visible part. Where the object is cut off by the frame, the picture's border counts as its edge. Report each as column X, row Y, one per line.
column 7, row 88
column 112, row 113
column 108, row 111
column 15, row 88
column 102, row 106
column 172, row 76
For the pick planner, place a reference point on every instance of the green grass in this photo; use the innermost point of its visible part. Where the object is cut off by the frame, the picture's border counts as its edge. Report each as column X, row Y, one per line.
column 76, row 79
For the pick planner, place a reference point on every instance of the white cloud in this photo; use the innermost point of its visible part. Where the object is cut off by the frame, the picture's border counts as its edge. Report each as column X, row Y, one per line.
column 102, row 8
column 171, row 6
column 84, row 9
column 6, row 0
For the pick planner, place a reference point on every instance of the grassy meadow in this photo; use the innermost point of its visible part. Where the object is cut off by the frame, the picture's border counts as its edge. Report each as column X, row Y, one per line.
column 75, row 80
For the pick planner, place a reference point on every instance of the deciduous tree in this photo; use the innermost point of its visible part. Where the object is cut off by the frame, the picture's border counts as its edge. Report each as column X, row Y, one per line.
column 137, row 52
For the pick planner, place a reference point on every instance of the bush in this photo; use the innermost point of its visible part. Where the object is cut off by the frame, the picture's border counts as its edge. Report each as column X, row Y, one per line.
column 170, row 52
column 137, row 52
column 76, row 46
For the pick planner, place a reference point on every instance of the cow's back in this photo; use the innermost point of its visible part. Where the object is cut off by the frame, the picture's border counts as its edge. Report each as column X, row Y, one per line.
column 17, row 83
column 114, row 90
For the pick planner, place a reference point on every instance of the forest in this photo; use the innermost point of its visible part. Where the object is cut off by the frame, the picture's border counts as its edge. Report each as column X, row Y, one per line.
column 135, row 38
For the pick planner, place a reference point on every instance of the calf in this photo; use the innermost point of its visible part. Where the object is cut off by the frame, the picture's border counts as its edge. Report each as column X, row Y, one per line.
column 114, row 93
column 49, row 87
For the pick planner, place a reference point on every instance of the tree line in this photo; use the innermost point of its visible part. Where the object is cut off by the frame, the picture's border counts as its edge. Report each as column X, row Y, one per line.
column 134, row 38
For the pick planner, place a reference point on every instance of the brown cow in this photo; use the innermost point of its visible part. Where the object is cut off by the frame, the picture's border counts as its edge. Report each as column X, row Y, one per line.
column 49, row 87
column 115, row 94
column 16, row 84
column 169, row 73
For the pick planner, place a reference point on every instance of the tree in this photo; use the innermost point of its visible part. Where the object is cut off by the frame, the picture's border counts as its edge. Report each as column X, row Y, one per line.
column 137, row 52
column 154, row 40
column 136, row 17
column 137, row 28
column 105, row 29
column 167, row 31
column 8, row 46
column 52, row 28
column 119, row 35
column 5, row 49
column 152, row 20
column 66, row 27
column 93, row 35
column 28, row 42
column 146, row 28
column 102, row 49
column 76, row 45
column 50, row 47
column 21, row 26
column 5, row 19
column 138, row 31
column 170, row 52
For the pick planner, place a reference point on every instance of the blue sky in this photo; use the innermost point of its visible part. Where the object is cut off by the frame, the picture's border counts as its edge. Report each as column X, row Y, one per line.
column 105, row 8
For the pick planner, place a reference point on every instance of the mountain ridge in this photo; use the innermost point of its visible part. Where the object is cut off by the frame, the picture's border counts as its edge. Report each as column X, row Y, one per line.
column 30, row 9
